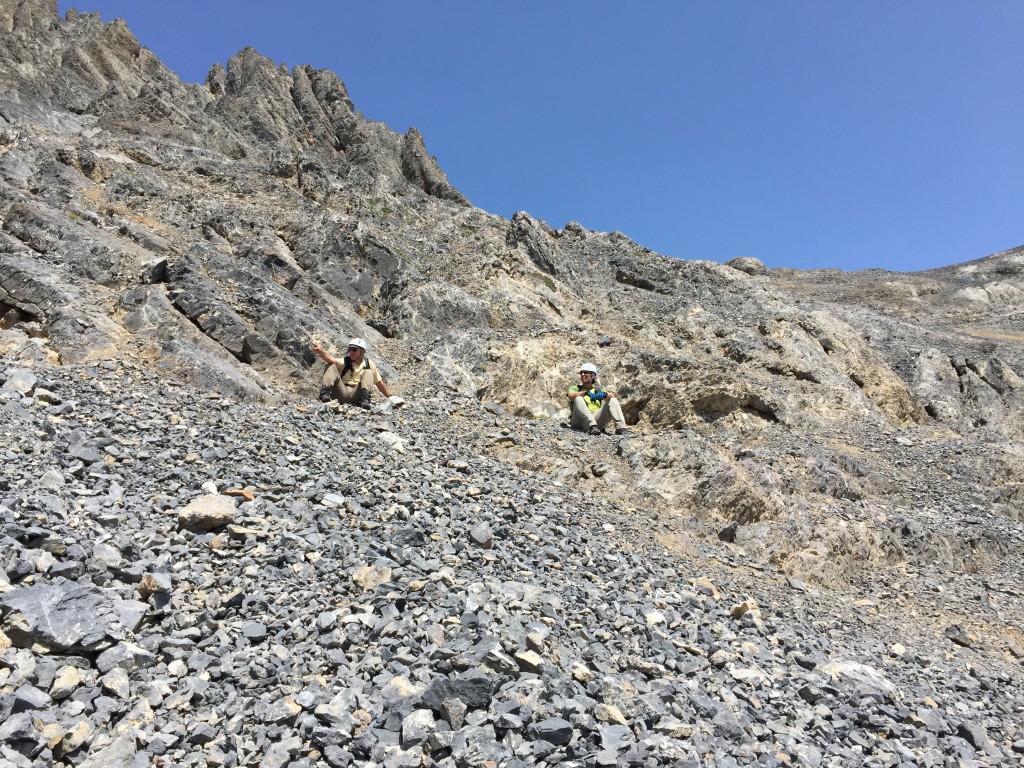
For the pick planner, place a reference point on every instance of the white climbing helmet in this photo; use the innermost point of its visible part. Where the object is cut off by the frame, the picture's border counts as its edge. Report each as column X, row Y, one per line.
column 361, row 343
column 588, row 368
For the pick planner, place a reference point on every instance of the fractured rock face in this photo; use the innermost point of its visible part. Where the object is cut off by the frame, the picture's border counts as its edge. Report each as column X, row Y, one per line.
column 27, row 17
column 351, row 230
column 938, row 385
column 967, row 394
column 820, row 463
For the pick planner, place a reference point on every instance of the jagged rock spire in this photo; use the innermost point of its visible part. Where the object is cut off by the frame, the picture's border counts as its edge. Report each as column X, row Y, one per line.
column 27, row 16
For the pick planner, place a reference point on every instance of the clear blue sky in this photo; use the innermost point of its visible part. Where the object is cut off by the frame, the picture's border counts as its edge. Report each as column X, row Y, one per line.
column 808, row 134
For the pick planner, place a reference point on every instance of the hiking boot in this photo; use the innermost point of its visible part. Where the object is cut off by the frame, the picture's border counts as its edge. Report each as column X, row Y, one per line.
column 623, row 432
column 595, row 430
column 325, row 395
column 364, row 401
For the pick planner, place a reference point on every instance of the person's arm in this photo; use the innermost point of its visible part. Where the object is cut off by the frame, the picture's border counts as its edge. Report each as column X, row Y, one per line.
column 573, row 393
column 322, row 354
column 378, row 380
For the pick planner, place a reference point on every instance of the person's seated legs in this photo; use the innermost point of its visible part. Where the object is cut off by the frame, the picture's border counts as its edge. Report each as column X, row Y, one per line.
column 612, row 411
column 330, row 385
column 582, row 419
column 364, row 389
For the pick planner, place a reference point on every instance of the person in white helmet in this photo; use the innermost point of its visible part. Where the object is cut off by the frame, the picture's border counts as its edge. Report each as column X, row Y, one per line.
column 351, row 379
column 593, row 406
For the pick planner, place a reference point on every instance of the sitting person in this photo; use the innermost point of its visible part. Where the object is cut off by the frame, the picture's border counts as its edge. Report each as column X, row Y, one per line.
column 350, row 380
column 592, row 406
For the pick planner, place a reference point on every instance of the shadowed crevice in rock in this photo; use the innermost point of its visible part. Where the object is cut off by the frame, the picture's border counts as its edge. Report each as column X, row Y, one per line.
column 714, row 406
column 635, row 280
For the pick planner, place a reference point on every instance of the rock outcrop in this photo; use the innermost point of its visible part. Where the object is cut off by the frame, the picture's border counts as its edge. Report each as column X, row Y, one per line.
column 431, row 582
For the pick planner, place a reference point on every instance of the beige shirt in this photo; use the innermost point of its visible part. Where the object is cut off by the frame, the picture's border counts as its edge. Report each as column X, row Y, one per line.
column 352, row 376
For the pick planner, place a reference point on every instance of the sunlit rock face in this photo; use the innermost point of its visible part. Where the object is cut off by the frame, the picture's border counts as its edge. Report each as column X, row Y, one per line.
column 169, row 251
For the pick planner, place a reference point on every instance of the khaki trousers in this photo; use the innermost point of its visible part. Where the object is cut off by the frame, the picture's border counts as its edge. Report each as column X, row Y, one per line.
column 345, row 394
column 583, row 418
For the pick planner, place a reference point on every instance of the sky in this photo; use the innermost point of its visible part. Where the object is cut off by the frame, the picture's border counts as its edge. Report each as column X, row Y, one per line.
column 805, row 133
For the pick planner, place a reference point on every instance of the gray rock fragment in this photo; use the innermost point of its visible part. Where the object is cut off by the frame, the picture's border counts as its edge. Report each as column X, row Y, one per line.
column 417, row 727
column 28, row 698
column 454, row 712
column 119, row 754
column 68, row 617
column 482, row 536
column 280, row 753
column 976, row 735
column 20, row 380
column 553, row 730
column 473, row 688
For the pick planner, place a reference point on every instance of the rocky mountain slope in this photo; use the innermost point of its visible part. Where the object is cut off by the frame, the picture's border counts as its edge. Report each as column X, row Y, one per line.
column 808, row 552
